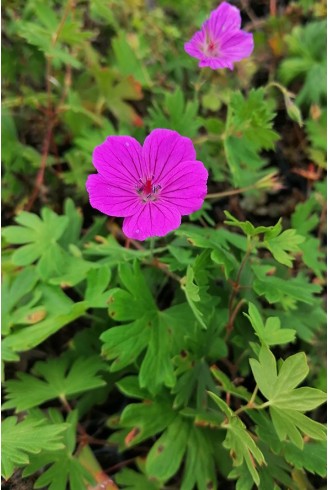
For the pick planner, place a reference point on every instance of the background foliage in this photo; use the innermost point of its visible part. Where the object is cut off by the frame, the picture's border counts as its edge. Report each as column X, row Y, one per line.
column 199, row 363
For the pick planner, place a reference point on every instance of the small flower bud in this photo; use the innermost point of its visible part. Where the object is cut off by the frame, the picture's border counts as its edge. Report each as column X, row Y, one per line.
column 293, row 111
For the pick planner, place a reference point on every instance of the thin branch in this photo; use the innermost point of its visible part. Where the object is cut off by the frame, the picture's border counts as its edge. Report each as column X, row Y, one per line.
column 164, row 268
column 41, row 171
column 252, row 407
column 117, row 466
column 233, row 317
column 84, row 437
column 248, row 10
column 69, row 6
column 51, row 114
column 236, row 286
column 231, row 192
column 273, row 8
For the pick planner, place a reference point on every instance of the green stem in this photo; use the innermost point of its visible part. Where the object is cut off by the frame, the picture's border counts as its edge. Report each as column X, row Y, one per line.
column 250, row 405
column 280, row 87
column 231, row 192
column 251, row 401
column 233, row 311
column 152, row 246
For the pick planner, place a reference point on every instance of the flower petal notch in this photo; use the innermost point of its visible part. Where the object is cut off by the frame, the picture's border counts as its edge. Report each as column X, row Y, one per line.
column 152, row 186
column 221, row 42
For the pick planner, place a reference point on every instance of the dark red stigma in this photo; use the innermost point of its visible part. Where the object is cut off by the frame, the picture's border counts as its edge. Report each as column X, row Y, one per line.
column 148, row 187
column 211, row 46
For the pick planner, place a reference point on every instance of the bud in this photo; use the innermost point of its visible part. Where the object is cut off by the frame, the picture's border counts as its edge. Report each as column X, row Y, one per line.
column 270, row 181
column 292, row 110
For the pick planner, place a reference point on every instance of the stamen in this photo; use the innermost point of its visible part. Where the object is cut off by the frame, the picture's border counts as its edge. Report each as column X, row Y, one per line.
column 147, row 190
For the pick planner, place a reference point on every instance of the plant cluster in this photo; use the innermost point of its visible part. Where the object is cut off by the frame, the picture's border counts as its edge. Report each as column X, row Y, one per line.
column 192, row 361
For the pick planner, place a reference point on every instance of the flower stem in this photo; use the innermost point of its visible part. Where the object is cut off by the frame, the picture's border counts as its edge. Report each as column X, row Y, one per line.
column 231, row 192
column 152, row 246
column 250, row 405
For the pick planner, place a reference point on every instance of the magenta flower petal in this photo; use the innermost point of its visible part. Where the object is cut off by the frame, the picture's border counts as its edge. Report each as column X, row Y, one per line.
column 194, row 47
column 221, row 42
column 119, row 159
column 186, row 187
column 154, row 219
column 164, row 149
column 225, row 18
column 151, row 187
column 236, row 46
column 111, row 199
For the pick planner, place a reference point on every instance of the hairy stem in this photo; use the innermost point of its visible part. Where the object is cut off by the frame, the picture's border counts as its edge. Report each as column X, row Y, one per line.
column 231, row 192
column 52, row 115
column 233, row 310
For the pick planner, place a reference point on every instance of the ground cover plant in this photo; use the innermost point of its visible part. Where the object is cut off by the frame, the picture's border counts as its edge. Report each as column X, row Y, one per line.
column 163, row 313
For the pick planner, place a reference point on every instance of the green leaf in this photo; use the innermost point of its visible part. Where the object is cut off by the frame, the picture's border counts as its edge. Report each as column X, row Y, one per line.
column 114, row 90
column 146, row 419
column 265, row 371
column 285, row 400
column 199, row 463
column 59, row 381
column 27, row 338
column 283, row 245
column 228, row 386
column 306, row 215
column 276, row 289
column 63, row 268
column 312, row 458
column 240, row 443
column 313, row 257
column 180, row 438
column 240, row 156
column 97, row 282
column 307, row 60
column 307, row 319
column 61, row 469
column 175, row 113
column 316, row 129
column 165, row 456
column 138, row 295
column 16, row 297
column 21, row 439
column 129, row 386
column 193, row 383
column 271, row 333
column 133, row 480
column 154, row 333
column 302, row 399
column 192, row 294
column 248, row 130
column 125, row 343
column 75, row 219
column 159, row 333
column 112, row 252
column 157, row 368
column 292, row 372
column 127, row 60
column 41, row 235
column 289, row 424
column 251, row 230
column 221, row 257
column 211, row 238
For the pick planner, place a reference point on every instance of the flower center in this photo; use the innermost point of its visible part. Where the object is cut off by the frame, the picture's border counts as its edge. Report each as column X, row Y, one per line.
column 147, row 190
column 211, row 48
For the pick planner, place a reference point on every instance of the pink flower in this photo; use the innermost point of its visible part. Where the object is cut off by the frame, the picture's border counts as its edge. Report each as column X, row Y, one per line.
column 221, row 42
column 150, row 186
